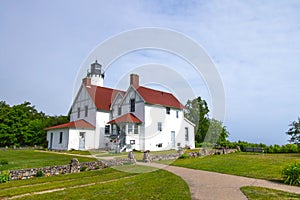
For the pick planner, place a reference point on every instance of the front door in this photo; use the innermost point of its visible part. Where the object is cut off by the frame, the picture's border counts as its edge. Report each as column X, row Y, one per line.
column 82, row 140
column 173, row 139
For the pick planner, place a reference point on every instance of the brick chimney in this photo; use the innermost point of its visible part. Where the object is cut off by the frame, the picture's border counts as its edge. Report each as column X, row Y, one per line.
column 86, row 81
column 134, row 80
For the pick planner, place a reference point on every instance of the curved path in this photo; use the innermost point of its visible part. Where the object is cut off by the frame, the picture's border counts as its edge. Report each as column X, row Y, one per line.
column 211, row 185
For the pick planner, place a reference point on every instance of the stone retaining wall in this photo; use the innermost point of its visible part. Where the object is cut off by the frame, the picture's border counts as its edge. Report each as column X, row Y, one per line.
column 159, row 157
column 73, row 167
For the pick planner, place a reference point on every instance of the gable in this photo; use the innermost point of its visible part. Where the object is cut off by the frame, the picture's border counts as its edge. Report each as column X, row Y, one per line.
column 132, row 94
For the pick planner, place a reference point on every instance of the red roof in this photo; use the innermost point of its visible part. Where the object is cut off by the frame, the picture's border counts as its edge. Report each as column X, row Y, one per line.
column 75, row 124
column 159, row 97
column 102, row 96
column 127, row 118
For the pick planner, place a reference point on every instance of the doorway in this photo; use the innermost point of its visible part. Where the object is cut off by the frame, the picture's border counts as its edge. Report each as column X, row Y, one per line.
column 173, row 139
column 82, row 140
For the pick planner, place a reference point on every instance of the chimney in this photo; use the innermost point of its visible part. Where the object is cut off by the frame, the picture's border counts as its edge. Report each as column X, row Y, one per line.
column 134, row 80
column 86, row 81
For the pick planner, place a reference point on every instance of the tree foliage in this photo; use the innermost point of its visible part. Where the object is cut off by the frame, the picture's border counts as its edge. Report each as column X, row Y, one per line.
column 197, row 112
column 207, row 130
column 294, row 132
column 23, row 125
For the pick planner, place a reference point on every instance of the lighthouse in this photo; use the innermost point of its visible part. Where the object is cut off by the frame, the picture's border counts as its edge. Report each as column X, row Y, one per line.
column 95, row 75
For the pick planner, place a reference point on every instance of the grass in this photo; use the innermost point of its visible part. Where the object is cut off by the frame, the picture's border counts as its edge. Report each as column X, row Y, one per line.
column 135, row 168
column 259, row 193
column 262, row 166
column 22, row 159
column 107, row 184
column 79, row 152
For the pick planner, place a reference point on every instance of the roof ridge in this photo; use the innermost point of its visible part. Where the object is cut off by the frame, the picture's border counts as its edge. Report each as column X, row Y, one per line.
column 154, row 90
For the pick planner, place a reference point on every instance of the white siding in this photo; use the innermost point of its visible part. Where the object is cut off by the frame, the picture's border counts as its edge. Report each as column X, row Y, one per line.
column 70, row 139
column 74, row 135
column 154, row 137
column 56, row 137
column 181, row 137
column 101, row 139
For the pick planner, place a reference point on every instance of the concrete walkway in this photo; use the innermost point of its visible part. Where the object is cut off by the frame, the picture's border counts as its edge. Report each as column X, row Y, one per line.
column 210, row 185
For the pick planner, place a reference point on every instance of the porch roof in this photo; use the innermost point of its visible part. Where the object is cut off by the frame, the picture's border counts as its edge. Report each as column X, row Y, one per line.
column 127, row 118
column 74, row 124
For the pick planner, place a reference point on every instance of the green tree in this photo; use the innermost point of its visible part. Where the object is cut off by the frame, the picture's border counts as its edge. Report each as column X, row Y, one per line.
column 23, row 125
column 207, row 130
column 294, row 132
column 197, row 112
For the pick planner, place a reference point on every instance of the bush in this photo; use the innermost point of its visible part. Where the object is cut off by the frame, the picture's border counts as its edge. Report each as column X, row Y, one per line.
column 4, row 177
column 83, row 168
column 291, row 174
column 3, row 162
column 185, row 155
column 39, row 173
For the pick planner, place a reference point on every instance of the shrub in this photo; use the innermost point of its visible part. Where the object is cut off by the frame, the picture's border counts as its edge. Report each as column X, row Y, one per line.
column 185, row 155
column 3, row 162
column 291, row 174
column 4, row 177
column 83, row 168
column 39, row 173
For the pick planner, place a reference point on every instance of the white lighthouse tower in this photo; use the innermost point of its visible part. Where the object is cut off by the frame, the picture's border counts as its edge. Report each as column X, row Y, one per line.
column 95, row 76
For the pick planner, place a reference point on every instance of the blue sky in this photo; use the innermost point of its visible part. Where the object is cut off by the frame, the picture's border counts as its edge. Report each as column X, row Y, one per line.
column 255, row 46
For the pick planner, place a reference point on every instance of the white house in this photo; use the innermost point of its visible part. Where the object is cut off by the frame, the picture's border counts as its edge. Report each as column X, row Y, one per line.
column 140, row 118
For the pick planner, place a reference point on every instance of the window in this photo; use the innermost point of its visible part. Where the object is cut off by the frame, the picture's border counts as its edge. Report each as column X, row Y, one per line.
column 86, row 110
column 132, row 105
column 82, row 135
column 119, row 110
column 132, row 141
column 186, row 134
column 136, row 129
column 78, row 112
column 177, row 113
column 159, row 145
column 168, row 110
column 60, row 137
column 159, row 126
column 114, row 129
column 129, row 128
column 106, row 131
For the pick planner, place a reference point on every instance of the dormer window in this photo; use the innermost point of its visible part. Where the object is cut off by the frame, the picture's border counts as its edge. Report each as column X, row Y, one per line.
column 168, row 110
column 119, row 110
column 132, row 105
column 78, row 112
column 86, row 110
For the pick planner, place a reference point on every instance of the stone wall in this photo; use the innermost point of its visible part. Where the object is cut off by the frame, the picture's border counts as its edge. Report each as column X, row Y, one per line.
column 159, row 157
column 202, row 152
column 73, row 167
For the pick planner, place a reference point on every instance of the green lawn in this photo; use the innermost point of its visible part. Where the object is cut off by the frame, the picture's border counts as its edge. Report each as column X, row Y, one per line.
column 21, row 159
column 259, row 193
column 104, row 184
column 263, row 166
